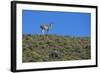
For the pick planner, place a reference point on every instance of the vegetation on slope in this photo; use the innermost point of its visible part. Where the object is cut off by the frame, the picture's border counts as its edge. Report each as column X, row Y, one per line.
column 43, row 48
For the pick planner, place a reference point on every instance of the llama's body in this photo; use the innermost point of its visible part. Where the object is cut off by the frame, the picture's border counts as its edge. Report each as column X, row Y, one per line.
column 45, row 28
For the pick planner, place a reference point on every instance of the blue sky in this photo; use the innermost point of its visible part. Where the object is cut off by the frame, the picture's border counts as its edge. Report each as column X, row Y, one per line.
column 64, row 23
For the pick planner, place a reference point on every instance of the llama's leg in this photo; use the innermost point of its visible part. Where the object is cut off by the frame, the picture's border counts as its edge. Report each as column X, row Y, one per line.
column 43, row 32
column 47, row 31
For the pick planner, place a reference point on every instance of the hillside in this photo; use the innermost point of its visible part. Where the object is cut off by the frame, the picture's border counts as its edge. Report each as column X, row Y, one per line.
column 41, row 48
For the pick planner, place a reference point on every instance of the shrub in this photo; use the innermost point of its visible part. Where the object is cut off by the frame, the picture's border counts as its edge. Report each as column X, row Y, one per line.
column 40, row 48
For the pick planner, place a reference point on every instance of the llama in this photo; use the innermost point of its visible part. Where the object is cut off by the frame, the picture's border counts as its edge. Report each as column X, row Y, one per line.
column 45, row 28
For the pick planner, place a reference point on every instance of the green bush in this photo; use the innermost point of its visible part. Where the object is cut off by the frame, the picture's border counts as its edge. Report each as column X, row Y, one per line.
column 41, row 48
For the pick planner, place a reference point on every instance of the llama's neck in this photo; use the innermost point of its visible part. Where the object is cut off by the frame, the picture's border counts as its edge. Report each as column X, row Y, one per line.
column 50, row 25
